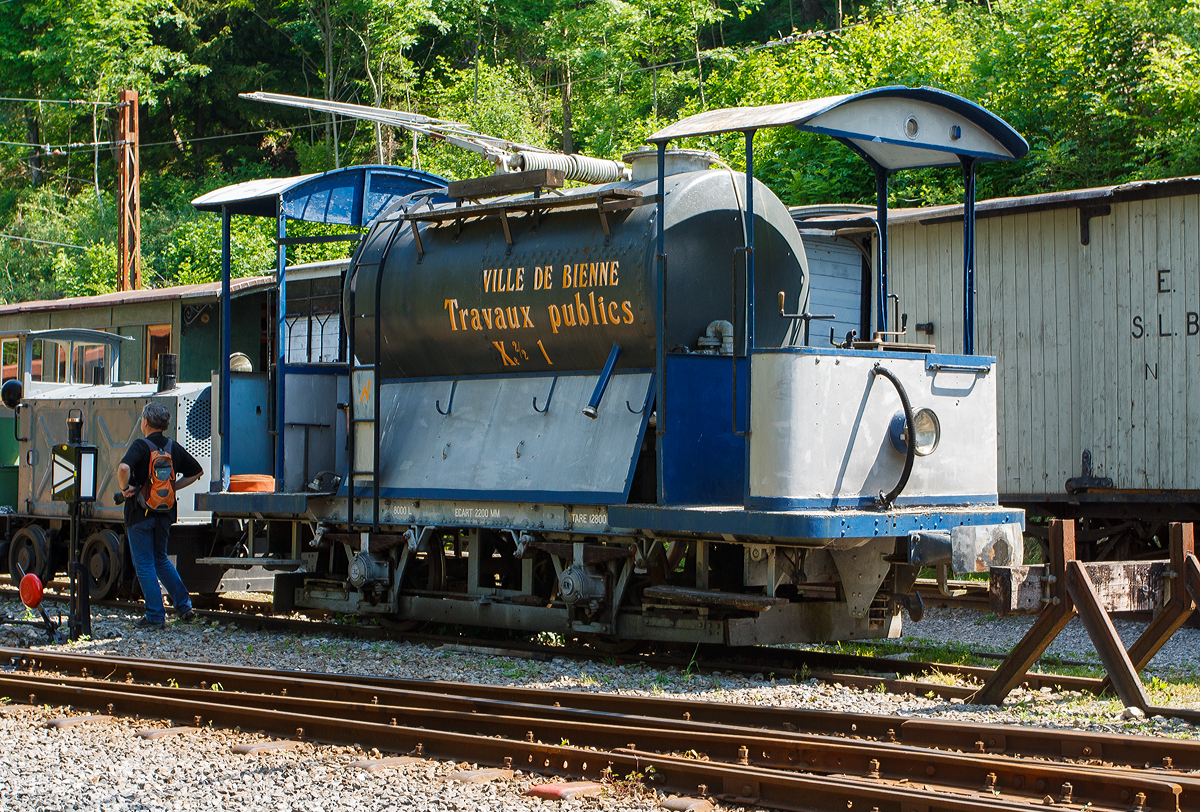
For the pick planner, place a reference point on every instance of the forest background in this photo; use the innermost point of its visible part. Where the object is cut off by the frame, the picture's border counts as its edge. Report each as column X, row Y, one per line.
column 1105, row 91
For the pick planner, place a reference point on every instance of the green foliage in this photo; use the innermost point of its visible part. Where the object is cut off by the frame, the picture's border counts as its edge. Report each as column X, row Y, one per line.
column 507, row 104
column 1106, row 91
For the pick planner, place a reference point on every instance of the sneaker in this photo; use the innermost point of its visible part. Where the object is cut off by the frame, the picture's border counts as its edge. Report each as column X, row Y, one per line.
column 188, row 616
column 147, row 623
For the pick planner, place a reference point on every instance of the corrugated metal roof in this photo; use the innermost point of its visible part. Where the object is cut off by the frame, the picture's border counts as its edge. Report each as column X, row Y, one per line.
column 351, row 196
column 898, row 127
column 1096, row 196
column 208, row 290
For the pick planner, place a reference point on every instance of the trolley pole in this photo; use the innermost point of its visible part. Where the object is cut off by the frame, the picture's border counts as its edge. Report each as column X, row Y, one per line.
column 129, row 197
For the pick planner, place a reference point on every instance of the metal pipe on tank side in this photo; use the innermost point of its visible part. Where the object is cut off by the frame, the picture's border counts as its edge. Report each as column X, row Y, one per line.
column 724, row 330
column 749, row 304
column 881, row 208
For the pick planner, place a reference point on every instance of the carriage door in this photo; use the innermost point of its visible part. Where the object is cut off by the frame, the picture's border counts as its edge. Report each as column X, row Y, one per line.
column 835, row 267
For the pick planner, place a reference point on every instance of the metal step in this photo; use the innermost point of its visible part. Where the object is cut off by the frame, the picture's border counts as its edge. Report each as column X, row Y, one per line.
column 240, row 563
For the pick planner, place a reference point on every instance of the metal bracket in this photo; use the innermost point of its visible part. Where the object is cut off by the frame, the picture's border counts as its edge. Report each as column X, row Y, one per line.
column 418, row 537
column 549, row 397
column 1085, row 480
column 507, row 231
column 604, row 222
column 417, row 239
column 437, row 404
column 1086, row 213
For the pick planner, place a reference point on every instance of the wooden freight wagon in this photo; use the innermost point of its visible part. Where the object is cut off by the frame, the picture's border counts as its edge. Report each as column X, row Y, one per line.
column 1090, row 300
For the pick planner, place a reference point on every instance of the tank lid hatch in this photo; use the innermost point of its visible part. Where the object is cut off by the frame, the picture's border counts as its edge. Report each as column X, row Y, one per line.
column 645, row 161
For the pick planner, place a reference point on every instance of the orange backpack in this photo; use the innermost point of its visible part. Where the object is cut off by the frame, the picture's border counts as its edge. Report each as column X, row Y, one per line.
column 158, row 493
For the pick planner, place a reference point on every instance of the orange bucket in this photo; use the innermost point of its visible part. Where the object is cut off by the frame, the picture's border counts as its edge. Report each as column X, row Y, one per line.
column 251, row 483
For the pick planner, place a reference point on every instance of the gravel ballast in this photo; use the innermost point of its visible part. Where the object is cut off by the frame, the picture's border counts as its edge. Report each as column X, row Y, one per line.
column 109, row 766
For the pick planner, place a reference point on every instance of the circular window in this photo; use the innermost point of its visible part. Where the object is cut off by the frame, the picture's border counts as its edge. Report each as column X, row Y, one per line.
column 911, row 127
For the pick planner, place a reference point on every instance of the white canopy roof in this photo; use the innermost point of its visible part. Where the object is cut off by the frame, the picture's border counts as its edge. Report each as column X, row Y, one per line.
column 897, row 127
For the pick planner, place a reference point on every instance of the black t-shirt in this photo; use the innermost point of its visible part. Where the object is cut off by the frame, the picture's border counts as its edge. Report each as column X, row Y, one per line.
column 138, row 460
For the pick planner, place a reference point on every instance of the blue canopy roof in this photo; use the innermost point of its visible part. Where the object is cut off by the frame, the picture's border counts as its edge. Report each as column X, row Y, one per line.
column 352, row 196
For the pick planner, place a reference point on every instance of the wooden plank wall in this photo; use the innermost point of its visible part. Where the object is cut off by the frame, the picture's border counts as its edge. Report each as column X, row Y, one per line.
column 835, row 286
column 1097, row 346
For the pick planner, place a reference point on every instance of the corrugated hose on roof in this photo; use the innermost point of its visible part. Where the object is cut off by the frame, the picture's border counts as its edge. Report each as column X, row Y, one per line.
column 574, row 167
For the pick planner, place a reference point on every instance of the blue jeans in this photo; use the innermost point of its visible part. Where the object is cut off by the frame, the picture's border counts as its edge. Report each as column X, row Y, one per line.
column 148, row 545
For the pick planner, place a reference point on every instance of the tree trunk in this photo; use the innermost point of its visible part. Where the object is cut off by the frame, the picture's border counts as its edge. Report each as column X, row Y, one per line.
column 34, row 136
column 568, row 140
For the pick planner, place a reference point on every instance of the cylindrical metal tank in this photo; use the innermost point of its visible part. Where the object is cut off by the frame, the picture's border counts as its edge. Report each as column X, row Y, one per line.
column 564, row 294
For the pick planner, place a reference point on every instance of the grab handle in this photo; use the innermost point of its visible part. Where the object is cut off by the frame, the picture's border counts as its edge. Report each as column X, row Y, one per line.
column 602, row 384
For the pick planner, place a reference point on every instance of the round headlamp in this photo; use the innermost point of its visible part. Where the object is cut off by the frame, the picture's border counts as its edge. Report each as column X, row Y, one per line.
column 926, row 427
column 927, row 430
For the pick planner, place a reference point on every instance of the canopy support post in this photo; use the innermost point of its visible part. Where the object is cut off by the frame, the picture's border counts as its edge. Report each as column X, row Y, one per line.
column 749, row 303
column 226, row 342
column 660, row 362
column 283, row 339
column 968, row 165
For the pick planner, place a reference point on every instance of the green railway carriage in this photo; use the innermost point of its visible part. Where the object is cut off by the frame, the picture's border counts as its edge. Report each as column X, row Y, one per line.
column 58, row 349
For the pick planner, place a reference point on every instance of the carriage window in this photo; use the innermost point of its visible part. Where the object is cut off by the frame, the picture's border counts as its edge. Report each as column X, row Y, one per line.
column 86, row 358
column 10, row 357
column 158, row 342
column 314, row 309
column 49, row 362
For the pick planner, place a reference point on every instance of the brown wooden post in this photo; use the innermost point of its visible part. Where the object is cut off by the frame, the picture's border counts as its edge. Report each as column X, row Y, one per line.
column 1047, row 627
column 129, row 199
column 1176, row 611
column 1121, row 673
column 1192, row 577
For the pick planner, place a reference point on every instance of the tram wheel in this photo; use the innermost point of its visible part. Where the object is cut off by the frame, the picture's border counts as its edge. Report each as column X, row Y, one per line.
column 30, row 553
column 102, row 560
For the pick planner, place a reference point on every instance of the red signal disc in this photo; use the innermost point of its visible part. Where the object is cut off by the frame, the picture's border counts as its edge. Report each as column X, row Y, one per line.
column 31, row 590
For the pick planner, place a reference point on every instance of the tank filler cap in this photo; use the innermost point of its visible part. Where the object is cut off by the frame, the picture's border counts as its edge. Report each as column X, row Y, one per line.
column 645, row 161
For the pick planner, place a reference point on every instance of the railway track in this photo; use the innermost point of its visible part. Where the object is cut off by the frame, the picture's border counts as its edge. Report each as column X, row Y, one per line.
column 888, row 674
column 788, row 758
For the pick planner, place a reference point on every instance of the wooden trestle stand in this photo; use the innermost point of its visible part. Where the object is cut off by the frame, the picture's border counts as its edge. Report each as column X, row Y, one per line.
column 1067, row 586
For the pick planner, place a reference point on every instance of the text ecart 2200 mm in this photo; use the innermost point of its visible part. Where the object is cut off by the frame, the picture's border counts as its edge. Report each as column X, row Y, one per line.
column 577, row 311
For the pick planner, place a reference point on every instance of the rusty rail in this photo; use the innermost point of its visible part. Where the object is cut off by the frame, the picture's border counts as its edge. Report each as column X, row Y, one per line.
column 1130, row 751
column 1026, row 780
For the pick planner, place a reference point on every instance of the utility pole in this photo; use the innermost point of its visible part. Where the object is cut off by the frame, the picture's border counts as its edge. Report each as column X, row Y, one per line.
column 129, row 198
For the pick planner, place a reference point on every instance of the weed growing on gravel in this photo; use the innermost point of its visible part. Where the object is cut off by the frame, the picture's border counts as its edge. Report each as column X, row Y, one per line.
column 630, row 786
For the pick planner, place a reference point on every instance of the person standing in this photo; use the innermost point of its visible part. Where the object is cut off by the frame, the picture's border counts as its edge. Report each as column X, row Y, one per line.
column 148, row 525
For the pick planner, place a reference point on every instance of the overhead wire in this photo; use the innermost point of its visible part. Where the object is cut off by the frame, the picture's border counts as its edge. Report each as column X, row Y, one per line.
column 44, row 242
column 54, row 101
column 56, row 151
column 791, row 39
